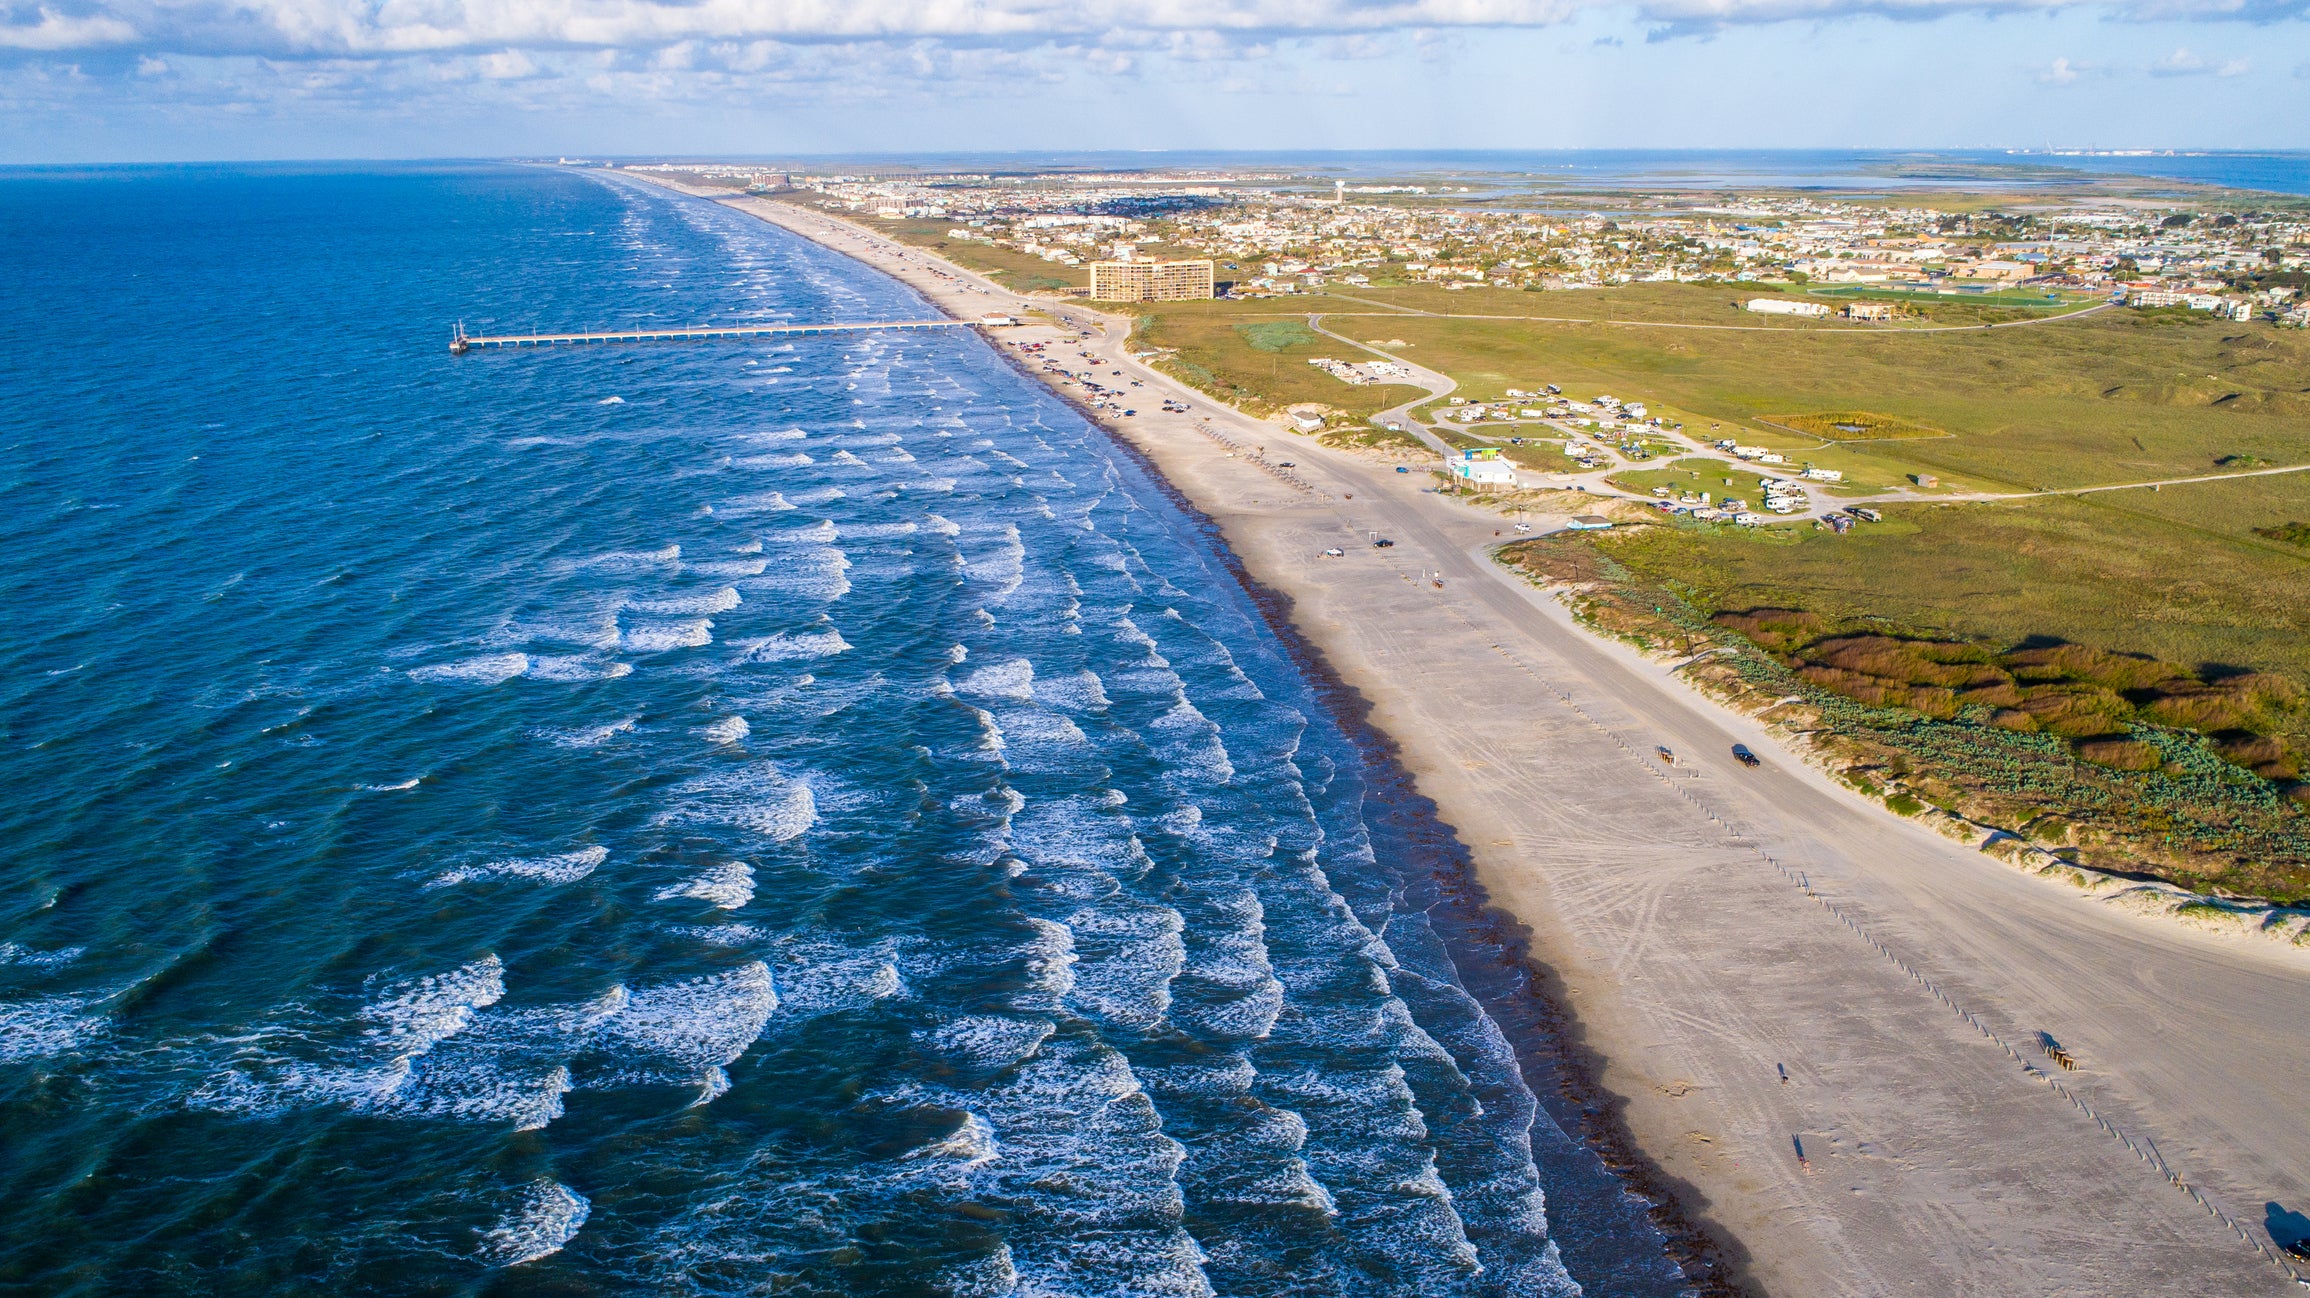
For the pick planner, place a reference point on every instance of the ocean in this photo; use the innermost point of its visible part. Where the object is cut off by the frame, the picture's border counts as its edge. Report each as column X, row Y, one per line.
column 803, row 816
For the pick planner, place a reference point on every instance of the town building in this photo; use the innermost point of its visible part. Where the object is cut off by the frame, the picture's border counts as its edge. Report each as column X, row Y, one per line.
column 1783, row 306
column 1135, row 280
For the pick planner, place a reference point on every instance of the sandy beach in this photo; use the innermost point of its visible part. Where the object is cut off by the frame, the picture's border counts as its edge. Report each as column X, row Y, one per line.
column 1819, row 1023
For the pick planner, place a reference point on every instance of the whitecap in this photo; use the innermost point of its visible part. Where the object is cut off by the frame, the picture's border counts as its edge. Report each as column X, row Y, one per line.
column 1011, row 679
column 490, row 669
column 416, row 1015
column 788, row 460
column 611, row 401
column 789, row 647
column 756, row 797
column 986, row 1041
column 577, row 668
column 46, row 1026
column 567, row 867
column 660, row 637
column 721, row 600
column 713, row 1086
column 547, row 1216
column 25, row 957
column 728, row 730
column 820, row 533
column 972, row 1144
column 635, row 558
column 725, row 887
column 728, row 567
column 761, row 502
column 403, row 786
column 589, row 736
column 699, row 1023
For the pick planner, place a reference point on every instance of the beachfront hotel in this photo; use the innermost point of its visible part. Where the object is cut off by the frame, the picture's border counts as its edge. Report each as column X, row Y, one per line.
column 1131, row 280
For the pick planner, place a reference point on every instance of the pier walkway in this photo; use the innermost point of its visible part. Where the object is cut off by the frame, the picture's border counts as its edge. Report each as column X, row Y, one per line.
column 462, row 342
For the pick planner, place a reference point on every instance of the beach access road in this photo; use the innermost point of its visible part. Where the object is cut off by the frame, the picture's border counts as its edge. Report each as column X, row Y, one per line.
column 1714, row 927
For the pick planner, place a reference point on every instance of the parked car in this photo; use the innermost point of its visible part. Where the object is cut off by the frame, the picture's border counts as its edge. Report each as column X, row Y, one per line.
column 1382, row 544
column 1742, row 755
column 1401, row 469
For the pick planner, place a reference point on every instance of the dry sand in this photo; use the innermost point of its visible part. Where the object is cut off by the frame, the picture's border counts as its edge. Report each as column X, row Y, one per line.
column 1711, row 926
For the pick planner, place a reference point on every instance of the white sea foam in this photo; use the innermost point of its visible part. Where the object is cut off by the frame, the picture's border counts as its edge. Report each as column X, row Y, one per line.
column 786, row 460
column 1077, row 691
column 713, row 1086
column 659, row 637
column 792, row 647
column 402, row 787
column 695, row 604
column 726, row 887
column 24, row 957
column 819, row 495
column 699, row 1023
column 568, row 867
column 45, row 1026
column 942, row 526
column 972, row 1144
column 611, row 401
column 577, row 668
column 757, row 798
column 822, row 977
column 636, row 558
column 546, row 1216
column 589, row 736
column 1049, row 957
column 728, row 730
column 877, row 531
column 414, row 1016
column 821, row 532
column 727, row 568
column 1012, row 678
column 986, row 1041
column 761, row 502
column 490, row 669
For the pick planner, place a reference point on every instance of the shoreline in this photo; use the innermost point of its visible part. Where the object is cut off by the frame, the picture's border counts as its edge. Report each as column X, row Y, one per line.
column 1492, row 949
column 1518, row 743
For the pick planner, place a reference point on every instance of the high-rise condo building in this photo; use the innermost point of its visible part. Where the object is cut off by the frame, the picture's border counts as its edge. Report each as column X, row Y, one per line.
column 1131, row 280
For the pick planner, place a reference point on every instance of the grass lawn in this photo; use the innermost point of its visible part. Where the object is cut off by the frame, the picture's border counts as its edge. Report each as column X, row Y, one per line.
column 1255, row 356
column 1697, row 304
column 1694, row 474
column 2108, row 398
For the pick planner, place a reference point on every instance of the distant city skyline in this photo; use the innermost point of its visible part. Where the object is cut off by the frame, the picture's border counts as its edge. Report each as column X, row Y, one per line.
column 134, row 80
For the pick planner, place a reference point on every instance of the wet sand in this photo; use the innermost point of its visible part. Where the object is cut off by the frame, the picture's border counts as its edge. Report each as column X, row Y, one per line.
column 1817, row 1023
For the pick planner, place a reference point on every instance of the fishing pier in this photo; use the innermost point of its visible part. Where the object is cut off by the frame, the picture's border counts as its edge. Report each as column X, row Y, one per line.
column 462, row 342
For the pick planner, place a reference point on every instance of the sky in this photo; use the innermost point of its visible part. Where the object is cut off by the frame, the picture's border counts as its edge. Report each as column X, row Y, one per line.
column 184, row 80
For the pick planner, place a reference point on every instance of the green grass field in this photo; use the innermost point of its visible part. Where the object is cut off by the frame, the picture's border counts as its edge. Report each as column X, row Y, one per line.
column 1256, row 357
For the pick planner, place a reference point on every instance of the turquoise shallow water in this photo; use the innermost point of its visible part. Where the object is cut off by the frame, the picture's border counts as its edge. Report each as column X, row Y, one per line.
column 746, row 818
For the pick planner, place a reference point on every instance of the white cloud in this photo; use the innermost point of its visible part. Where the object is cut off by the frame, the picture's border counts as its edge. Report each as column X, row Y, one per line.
column 2183, row 63
column 366, row 28
column 57, row 31
column 2060, row 72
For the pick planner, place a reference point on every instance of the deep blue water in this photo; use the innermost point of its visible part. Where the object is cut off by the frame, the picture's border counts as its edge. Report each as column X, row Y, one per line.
column 680, row 819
